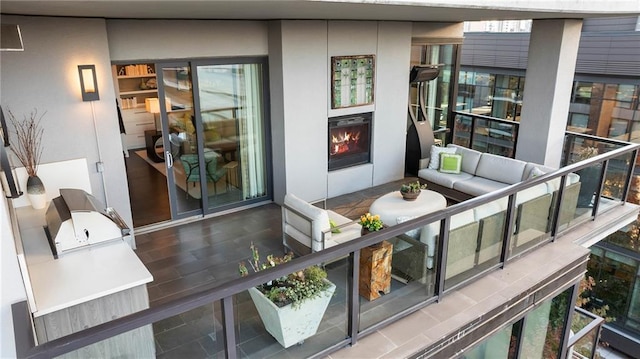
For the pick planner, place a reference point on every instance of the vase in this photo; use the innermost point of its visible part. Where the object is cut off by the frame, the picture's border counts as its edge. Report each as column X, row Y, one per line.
column 364, row 231
column 36, row 192
column 410, row 196
column 291, row 325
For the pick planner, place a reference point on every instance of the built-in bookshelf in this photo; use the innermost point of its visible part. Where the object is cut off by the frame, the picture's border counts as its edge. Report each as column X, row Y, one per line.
column 136, row 82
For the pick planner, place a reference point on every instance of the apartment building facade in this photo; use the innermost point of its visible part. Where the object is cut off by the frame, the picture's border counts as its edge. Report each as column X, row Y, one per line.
column 604, row 103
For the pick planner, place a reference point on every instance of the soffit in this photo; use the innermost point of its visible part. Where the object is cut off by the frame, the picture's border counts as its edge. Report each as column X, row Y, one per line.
column 416, row 10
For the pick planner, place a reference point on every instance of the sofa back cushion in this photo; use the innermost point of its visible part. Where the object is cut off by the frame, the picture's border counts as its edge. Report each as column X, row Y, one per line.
column 470, row 158
column 318, row 218
column 501, row 169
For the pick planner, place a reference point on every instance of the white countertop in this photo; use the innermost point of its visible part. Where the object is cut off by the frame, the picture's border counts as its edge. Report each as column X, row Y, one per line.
column 75, row 277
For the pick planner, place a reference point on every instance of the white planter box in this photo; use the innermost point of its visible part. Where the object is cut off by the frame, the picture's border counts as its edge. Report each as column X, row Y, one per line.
column 292, row 325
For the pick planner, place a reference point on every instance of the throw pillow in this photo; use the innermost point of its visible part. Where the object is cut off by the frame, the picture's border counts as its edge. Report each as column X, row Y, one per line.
column 334, row 226
column 535, row 172
column 414, row 233
column 434, row 162
column 450, row 163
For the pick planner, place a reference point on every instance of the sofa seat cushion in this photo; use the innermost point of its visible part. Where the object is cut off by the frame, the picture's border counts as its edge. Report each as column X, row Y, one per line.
column 500, row 169
column 477, row 186
column 443, row 179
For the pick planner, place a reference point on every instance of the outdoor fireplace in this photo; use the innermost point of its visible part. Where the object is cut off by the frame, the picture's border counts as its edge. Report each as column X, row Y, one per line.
column 349, row 141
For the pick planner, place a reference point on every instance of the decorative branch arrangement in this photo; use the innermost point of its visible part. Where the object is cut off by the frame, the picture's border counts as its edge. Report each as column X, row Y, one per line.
column 28, row 147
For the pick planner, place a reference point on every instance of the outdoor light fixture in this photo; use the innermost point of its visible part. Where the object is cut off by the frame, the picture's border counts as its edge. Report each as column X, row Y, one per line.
column 88, row 82
column 10, row 38
column 424, row 73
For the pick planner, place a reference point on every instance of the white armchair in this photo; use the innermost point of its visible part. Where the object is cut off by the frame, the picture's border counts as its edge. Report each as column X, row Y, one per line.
column 309, row 227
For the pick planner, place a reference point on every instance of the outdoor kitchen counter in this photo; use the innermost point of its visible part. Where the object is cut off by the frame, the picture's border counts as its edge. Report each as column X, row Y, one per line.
column 81, row 288
column 75, row 277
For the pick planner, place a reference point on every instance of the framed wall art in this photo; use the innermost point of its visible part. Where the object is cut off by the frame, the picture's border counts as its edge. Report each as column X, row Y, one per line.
column 352, row 80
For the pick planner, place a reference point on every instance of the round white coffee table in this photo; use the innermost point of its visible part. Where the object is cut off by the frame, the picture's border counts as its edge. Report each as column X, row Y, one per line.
column 391, row 206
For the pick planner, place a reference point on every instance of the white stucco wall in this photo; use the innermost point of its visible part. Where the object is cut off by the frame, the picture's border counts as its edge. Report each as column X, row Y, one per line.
column 45, row 76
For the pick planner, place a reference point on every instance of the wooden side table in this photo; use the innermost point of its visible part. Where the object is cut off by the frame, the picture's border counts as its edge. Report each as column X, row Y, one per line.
column 232, row 174
column 375, row 270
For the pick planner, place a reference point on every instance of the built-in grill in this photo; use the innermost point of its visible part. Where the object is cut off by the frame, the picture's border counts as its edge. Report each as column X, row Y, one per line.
column 76, row 220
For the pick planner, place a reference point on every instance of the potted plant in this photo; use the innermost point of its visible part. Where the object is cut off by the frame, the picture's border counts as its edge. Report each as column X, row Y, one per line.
column 291, row 307
column 411, row 191
column 28, row 150
column 370, row 223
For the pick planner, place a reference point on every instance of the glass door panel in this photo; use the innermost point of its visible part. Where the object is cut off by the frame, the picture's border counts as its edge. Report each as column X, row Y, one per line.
column 180, row 145
column 230, row 100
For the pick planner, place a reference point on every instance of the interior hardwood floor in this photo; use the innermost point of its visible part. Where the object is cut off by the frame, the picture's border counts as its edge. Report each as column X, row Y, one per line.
column 196, row 256
column 147, row 192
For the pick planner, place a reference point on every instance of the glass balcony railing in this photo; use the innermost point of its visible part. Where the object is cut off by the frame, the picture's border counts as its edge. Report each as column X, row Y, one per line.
column 375, row 281
column 585, row 333
column 486, row 134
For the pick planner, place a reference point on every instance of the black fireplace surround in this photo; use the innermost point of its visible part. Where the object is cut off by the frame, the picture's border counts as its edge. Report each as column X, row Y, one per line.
column 349, row 140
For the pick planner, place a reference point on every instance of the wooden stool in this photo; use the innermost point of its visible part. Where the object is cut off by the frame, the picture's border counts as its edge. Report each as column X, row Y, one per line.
column 375, row 270
column 232, row 174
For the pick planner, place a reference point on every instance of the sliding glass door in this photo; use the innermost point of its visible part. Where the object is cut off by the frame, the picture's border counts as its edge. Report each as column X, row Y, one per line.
column 231, row 106
column 214, row 134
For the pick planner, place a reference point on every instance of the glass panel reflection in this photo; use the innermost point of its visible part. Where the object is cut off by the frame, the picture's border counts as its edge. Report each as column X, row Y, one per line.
column 178, row 102
column 409, row 281
column 267, row 327
column 231, row 106
column 532, row 224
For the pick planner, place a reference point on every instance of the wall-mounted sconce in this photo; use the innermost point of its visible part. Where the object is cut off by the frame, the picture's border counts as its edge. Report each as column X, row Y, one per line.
column 10, row 38
column 88, row 82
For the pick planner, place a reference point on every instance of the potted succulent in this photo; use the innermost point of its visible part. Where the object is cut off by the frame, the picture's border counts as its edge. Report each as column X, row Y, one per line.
column 291, row 307
column 370, row 223
column 28, row 150
column 411, row 191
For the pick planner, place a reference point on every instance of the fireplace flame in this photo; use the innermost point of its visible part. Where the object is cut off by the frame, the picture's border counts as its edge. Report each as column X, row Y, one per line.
column 343, row 142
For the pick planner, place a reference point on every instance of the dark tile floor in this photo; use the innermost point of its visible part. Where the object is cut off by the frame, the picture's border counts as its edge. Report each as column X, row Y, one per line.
column 197, row 256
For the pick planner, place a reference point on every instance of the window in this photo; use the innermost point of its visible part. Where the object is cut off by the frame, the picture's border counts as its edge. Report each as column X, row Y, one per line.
column 582, row 92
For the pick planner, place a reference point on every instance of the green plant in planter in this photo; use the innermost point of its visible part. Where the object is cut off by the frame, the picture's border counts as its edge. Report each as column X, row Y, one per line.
column 371, row 222
column 412, row 187
column 294, row 288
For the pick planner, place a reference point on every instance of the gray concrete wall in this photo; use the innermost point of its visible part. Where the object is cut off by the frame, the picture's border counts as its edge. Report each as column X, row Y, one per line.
column 181, row 39
column 547, row 92
column 306, row 107
column 45, row 76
